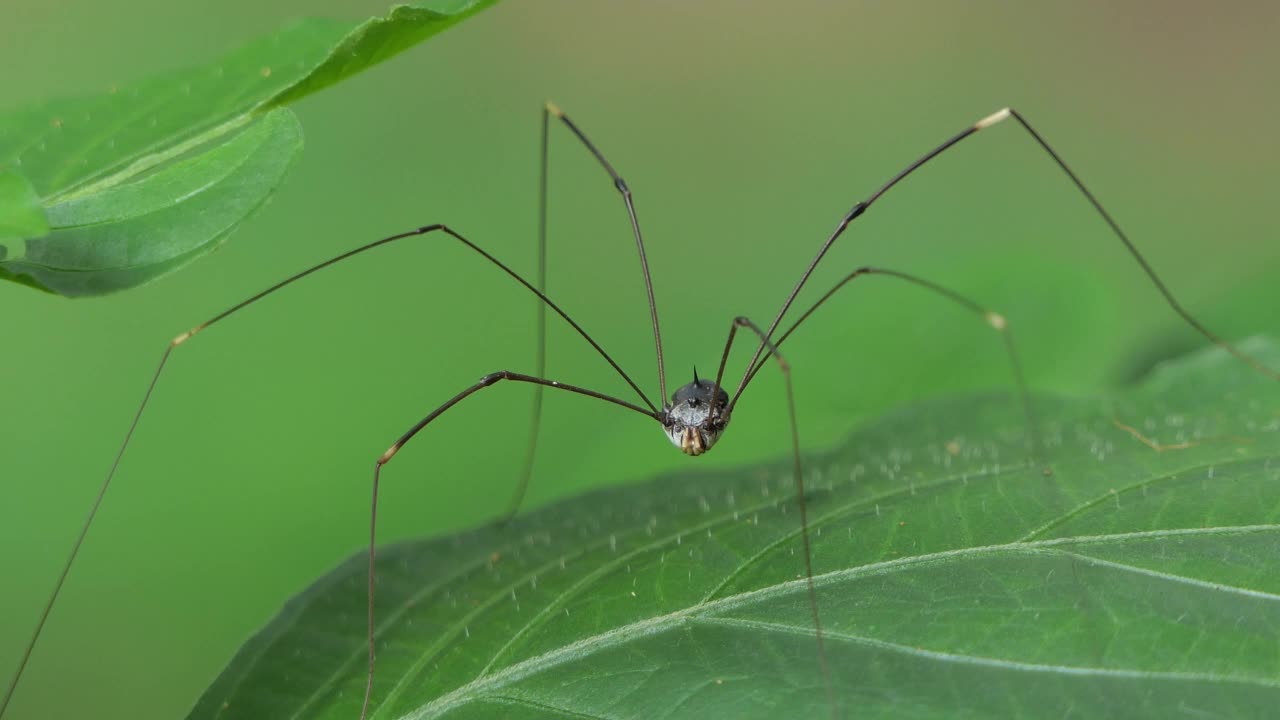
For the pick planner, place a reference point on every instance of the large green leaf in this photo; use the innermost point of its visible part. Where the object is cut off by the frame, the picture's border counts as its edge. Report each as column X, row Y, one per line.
column 954, row 579
column 118, row 188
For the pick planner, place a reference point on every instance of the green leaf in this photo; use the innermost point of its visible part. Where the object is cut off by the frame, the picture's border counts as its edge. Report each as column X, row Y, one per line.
column 20, row 216
column 131, row 179
column 954, row 579
column 124, row 235
column 20, row 212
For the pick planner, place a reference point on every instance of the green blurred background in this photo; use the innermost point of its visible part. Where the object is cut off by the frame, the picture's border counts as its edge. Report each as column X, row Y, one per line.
column 745, row 129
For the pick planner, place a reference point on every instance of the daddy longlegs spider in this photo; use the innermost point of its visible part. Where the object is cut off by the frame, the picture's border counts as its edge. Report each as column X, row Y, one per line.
column 698, row 413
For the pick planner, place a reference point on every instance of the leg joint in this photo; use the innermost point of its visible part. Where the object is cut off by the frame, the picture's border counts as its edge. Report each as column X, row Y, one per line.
column 493, row 378
column 390, row 453
column 857, row 210
column 992, row 119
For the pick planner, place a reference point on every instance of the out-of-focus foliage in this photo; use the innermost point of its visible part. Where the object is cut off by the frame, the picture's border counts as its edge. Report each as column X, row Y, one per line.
column 105, row 192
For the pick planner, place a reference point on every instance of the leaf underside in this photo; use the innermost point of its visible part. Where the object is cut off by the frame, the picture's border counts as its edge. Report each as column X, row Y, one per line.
column 954, row 579
column 103, row 193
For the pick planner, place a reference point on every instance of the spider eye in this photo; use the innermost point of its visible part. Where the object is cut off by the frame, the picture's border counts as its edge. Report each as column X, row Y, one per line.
column 693, row 402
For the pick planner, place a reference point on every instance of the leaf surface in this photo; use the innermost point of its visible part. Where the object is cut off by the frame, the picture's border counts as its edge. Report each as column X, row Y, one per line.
column 954, row 579
column 137, row 181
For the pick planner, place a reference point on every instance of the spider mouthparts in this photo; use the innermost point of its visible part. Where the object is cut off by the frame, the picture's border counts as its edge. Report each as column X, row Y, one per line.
column 692, row 442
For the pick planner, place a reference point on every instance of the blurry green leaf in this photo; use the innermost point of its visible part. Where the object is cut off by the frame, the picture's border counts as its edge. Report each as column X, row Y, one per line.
column 127, row 234
column 20, row 212
column 20, row 216
column 954, row 578
column 131, row 179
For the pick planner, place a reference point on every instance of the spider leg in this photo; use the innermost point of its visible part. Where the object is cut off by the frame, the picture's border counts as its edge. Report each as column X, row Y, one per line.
column 487, row 381
column 993, row 119
column 994, row 319
column 549, row 110
column 785, row 367
column 625, row 191
column 188, row 335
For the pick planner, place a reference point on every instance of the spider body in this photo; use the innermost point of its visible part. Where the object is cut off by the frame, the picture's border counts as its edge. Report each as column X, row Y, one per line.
column 691, row 421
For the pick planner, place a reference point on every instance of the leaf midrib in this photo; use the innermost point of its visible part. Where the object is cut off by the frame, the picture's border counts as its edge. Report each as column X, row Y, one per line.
column 150, row 160
column 837, row 512
column 987, row 661
column 649, row 626
column 586, row 581
column 840, row 511
column 724, row 519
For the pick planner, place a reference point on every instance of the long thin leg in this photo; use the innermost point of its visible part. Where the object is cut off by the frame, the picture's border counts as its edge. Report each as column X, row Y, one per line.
column 540, row 357
column 1133, row 250
column 625, row 191
column 180, row 339
column 486, row 381
column 997, row 117
column 548, row 109
column 785, row 367
column 994, row 319
column 84, row 530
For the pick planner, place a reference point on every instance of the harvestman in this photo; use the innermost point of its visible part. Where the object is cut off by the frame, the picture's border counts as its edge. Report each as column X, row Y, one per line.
column 698, row 412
